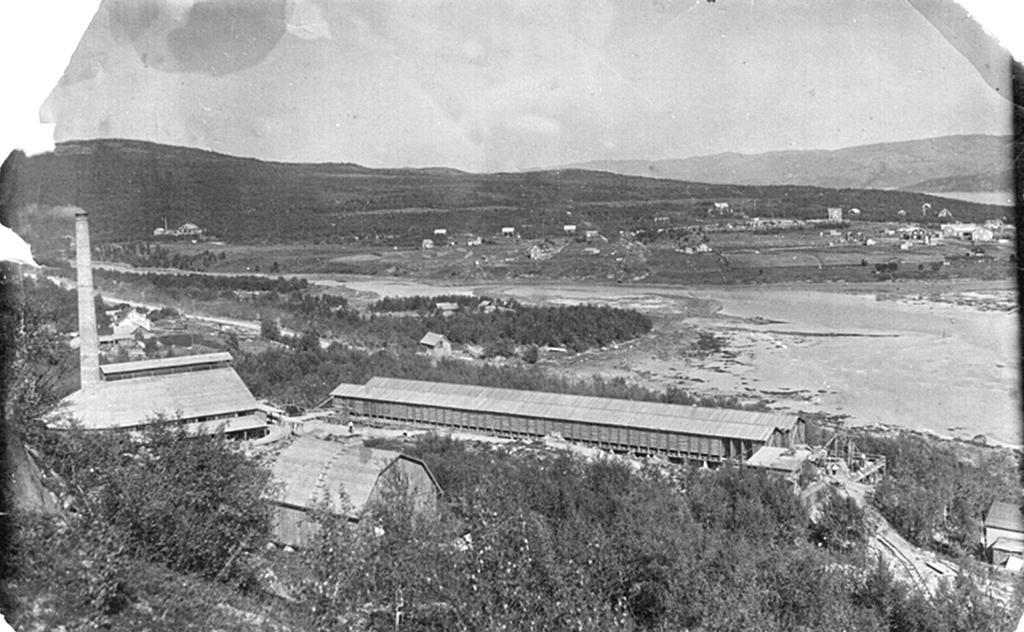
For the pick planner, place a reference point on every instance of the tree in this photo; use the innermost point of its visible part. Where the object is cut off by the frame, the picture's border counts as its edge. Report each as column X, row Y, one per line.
column 269, row 329
column 841, row 524
column 195, row 503
column 531, row 354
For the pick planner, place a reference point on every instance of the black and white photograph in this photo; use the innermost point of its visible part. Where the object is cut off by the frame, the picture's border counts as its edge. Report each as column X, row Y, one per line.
column 520, row 315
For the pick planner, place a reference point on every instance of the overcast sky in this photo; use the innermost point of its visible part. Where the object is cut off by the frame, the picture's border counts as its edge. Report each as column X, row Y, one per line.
column 510, row 85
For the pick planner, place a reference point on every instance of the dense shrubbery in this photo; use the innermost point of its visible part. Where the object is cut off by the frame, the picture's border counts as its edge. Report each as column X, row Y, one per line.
column 936, row 495
column 58, row 306
column 501, row 329
column 207, row 286
column 506, row 323
column 150, row 255
column 424, row 304
column 577, row 327
column 306, row 375
column 193, row 503
column 543, row 542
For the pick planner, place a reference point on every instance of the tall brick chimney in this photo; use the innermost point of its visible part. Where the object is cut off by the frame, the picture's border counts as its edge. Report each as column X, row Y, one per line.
column 88, row 336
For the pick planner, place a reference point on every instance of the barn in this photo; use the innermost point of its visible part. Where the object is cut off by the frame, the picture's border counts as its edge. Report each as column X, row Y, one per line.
column 684, row 432
column 314, row 472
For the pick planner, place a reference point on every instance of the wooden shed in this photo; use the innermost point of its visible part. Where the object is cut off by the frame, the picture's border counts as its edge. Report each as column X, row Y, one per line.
column 684, row 432
column 1004, row 534
column 436, row 345
column 344, row 479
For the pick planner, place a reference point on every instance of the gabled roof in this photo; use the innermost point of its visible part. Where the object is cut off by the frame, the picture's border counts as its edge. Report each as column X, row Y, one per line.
column 1008, row 545
column 182, row 363
column 315, row 470
column 711, row 422
column 431, row 339
column 1006, row 516
column 135, row 402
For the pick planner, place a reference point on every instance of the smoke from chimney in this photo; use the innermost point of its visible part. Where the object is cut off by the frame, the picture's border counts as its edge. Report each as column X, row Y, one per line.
column 88, row 336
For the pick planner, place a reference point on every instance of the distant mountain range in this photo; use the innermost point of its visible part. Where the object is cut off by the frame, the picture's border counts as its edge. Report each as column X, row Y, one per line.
column 131, row 187
column 929, row 165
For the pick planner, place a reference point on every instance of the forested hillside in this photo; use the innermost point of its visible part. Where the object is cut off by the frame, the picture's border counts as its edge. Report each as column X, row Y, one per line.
column 131, row 187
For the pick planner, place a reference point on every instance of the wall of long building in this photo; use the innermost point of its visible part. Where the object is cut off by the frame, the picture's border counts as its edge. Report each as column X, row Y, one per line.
column 675, row 444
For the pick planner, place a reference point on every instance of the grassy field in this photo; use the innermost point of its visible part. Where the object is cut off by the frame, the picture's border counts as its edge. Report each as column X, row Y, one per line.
column 799, row 256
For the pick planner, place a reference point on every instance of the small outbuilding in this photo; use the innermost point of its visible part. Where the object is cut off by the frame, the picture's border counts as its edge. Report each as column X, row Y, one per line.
column 1004, row 534
column 346, row 480
column 447, row 308
column 436, row 344
column 787, row 462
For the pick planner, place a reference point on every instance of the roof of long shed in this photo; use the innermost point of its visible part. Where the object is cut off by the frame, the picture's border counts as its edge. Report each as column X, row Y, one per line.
column 716, row 422
column 179, row 362
column 127, row 403
column 1006, row 516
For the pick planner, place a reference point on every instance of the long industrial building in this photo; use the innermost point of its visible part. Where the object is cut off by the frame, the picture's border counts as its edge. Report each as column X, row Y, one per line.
column 685, row 432
column 203, row 393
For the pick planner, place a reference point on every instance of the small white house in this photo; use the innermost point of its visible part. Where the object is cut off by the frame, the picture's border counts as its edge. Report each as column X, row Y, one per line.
column 436, row 345
column 133, row 323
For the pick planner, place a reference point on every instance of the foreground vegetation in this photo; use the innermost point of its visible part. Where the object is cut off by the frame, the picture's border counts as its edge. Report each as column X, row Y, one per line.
column 537, row 541
column 936, row 493
column 168, row 532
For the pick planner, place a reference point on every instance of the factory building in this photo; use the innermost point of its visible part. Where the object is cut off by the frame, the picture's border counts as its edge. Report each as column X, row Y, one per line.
column 346, row 480
column 201, row 392
column 685, row 432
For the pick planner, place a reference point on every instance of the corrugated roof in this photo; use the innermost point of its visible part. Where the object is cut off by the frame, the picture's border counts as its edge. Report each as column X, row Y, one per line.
column 1007, row 516
column 1008, row 545
column 776, row 458
column 164, row 363
column 127, row 403
column 313, row 470
column 431, row 339
column 716, row 422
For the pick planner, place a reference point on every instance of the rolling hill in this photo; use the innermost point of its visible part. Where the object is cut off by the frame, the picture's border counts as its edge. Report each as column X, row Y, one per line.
column 131, row 187
column 877, row 166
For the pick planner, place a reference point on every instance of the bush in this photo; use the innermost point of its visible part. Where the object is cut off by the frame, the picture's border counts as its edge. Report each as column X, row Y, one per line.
column 192, row 502
column 842, row 524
